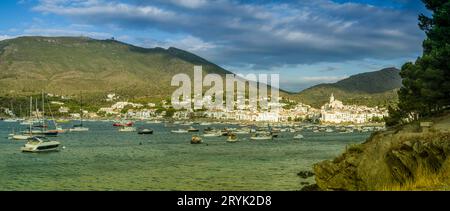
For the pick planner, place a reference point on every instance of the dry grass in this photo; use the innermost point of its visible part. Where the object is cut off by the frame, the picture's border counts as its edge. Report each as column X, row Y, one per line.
column 424, row 180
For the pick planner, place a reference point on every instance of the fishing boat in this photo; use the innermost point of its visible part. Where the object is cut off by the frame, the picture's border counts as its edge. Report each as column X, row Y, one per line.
column 196, row 140
column 145, row 131
column 261, row 137
column 193, row 130
column 40, row 144
column 127, row 129
column 179, row 131
column 299, row 136
column 233, row 138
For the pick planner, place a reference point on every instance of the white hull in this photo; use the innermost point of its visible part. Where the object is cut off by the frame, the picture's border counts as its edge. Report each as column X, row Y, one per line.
column 212, row 135
column 127, row 129
column 179, row 131
column 299, row 137
column 262, row 138
column 38, row 145
column 81, row 129
column 21, row 137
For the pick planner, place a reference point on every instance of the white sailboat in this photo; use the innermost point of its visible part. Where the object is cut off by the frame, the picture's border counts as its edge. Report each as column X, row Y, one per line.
column 80, row 127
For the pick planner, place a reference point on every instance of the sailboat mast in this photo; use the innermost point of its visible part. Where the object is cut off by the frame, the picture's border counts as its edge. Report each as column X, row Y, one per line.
column 81, row 109
column 31, row 108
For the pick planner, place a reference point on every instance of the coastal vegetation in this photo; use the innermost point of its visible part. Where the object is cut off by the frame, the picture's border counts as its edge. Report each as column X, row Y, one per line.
column 426, row 88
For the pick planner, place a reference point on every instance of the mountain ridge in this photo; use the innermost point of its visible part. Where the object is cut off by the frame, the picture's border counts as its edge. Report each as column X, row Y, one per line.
column 70, row 65
column 377, row 88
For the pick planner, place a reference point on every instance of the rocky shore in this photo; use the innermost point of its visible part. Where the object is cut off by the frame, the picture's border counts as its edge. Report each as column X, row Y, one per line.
column 405, row 158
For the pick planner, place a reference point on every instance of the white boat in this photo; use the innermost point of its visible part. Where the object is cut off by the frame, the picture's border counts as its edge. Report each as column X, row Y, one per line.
column 79, row 129
column 299, row 136
column 261, row 137
column 205, row 124
column 329, row 130
column 40, row 144
column 179, row 131
column 10, row 120
column 242, row 132
column 127, row 129
column 21, row 137
column 217, row 134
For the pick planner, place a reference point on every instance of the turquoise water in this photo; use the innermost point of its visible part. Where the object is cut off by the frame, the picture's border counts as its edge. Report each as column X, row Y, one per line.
column 104, row 159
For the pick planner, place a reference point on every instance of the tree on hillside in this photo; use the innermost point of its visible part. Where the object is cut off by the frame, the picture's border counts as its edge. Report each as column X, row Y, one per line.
column 426, row 82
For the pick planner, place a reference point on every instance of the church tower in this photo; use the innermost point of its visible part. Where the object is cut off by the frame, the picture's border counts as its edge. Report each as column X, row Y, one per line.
column 332, row 98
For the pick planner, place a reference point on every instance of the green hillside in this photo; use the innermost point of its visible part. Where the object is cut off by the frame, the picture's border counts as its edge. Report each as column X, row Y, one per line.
column 68, row 65
column 377, row 88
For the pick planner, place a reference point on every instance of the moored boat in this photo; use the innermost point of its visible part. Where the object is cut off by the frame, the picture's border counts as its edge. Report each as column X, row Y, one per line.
column 299, row 136
column 127, row 129
column 196, row 140
column 145, row 131
column 261, row 137
column 40, row 144
column 193, row 130
column 233, row 138
column 179, row 131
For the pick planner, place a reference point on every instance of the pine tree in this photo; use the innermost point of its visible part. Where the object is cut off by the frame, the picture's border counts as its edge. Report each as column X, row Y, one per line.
column 426, row 83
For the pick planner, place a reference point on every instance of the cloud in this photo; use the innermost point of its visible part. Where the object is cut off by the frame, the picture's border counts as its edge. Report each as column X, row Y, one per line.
column 263, row 35
column 5, row 37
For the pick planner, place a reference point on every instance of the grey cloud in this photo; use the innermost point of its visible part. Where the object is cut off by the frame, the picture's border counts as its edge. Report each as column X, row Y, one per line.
column 264, row 35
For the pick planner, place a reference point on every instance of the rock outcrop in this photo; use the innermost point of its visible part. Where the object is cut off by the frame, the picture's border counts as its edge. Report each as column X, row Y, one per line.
column 392, row 158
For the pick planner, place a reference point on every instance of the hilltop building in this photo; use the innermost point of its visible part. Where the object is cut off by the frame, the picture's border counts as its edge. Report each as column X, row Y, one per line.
column 336, row 112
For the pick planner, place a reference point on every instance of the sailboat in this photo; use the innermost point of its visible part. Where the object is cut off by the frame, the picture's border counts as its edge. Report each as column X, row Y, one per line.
column 28, row 135
column 44, row 127
column 80, row 127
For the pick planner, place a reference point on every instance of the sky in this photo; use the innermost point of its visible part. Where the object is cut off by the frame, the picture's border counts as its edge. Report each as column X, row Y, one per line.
column 307, row 42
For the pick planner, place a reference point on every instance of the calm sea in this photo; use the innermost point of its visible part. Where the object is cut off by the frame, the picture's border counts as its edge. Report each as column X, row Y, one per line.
column 105, row 159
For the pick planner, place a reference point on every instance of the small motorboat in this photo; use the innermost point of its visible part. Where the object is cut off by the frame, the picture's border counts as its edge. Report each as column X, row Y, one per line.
column 127, row 129
column 233, row 138
column 21, row 137
column 145, row 131
column 193, row 130
column 79, row 128
column 216, row 134
column 40, row 144
column 196, row 140
column 261, row 137
column 299, row 136
column 179, row 131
